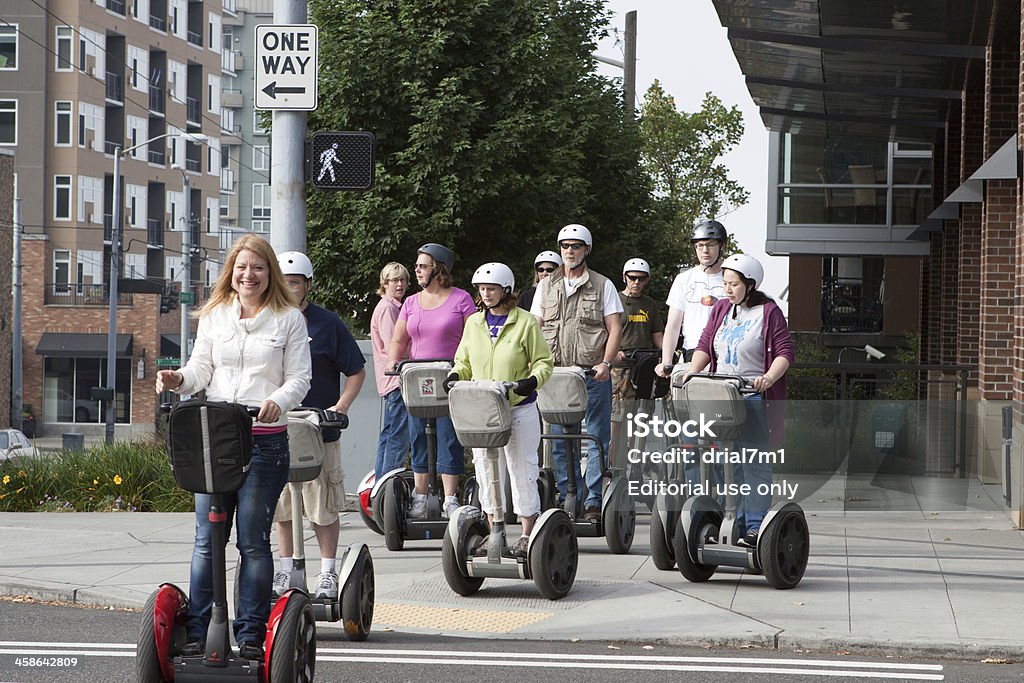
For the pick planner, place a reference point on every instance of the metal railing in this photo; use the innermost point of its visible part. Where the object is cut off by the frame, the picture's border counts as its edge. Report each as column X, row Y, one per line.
column 108, row 227
column 847, row 307
column 115, row 87
column 194, row 110
column 227, row 179
column 157, row 156
column 194, row 165
column 195, row 38
column 72, row 294
column 117, row 6
column 159, row 23
column 109, row 147
column 155, row 231
column 157, row 99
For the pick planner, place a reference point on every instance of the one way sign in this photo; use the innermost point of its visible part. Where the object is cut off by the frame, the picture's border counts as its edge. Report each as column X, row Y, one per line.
column 286, row 66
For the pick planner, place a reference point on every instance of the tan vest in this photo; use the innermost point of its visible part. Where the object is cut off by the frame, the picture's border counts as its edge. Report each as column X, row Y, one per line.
column 573, row 325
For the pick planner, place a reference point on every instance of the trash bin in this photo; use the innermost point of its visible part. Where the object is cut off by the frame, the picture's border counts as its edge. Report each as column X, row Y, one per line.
column 1007, row 416
column 73, row 441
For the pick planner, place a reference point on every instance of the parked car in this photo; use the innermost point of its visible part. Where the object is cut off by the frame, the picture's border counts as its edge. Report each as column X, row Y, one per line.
column 14, row 444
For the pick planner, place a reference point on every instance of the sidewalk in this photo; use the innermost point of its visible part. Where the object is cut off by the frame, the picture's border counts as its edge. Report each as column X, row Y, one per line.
column 934, row 581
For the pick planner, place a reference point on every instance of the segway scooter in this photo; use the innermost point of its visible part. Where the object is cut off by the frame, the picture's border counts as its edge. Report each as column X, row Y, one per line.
column 705, row 535
column 210, row 447
column 355, row 598
column 483, row 419
column 423, row 392
column 563, row 401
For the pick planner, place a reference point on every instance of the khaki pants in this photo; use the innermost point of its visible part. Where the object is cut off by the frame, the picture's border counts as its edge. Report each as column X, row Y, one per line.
column 323, row 498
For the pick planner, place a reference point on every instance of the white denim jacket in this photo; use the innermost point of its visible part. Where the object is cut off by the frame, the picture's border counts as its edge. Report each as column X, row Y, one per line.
column 248, row 361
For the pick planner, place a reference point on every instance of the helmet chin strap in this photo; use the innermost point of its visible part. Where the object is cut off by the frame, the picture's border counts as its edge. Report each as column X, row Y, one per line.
column 505, row 292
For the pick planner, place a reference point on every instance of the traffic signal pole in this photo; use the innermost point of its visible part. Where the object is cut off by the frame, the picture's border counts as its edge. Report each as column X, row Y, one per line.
column 186, row 248
column 287, row 151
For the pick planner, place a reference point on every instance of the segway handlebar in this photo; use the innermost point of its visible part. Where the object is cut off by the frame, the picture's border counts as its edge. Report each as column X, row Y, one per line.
column 253, row 411
column 329, row 419
column 745, row 386
column 413, row 361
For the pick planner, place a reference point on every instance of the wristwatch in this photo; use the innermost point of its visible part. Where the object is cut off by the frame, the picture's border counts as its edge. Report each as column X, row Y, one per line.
column 606, row 364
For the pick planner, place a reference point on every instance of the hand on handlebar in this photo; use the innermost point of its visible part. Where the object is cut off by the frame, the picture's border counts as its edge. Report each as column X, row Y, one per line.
column 602, row 373
column 270, row 412
column 525, row 386
column 451, row 379
column 663, row 370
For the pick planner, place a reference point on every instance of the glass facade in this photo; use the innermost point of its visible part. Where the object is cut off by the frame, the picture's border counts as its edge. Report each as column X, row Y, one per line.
column 67, row 384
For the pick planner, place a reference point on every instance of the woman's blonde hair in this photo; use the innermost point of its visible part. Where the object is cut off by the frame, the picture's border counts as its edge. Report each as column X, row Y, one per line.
column 391, row 271
column 277, row 297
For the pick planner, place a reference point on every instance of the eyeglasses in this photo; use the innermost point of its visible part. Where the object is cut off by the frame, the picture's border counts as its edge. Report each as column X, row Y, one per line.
column 705, row 246
column 398, row 279
column 424, row 266
column 545, row 270
column 571, row 245
column 638, row 278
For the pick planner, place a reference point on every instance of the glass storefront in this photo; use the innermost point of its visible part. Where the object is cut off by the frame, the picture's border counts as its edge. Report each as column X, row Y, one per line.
column 67, row 384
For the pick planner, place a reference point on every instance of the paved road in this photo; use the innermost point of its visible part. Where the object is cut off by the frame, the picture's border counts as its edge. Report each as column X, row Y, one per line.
column 40, row 642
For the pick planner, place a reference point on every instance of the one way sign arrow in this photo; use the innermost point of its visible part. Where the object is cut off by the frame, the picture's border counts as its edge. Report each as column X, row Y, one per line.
column 274, row 88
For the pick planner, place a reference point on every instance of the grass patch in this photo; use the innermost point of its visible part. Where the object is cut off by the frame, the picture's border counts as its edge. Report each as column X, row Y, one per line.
column 126, row 476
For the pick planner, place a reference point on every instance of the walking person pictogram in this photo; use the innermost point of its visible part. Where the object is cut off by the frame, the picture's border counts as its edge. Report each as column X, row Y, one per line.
column 327, row 160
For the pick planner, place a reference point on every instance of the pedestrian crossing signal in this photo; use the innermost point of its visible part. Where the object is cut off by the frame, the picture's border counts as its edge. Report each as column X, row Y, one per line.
column 342, row 160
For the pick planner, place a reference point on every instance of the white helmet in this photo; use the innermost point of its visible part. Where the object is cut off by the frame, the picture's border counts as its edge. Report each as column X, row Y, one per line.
column 747, row 266
column 577, row 232
column 548, row 257
column 295, row 263
column 495, row 274
column 635, row 264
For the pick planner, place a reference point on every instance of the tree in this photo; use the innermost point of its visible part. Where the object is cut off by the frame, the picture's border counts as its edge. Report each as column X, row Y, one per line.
column 492, row 129
column 682, row 154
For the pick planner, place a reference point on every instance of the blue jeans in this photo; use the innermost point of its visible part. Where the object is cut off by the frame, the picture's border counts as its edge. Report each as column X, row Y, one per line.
column 450, row 453
column 599, row 425
column 754, row 506
column 255, row 503
column 393, row 443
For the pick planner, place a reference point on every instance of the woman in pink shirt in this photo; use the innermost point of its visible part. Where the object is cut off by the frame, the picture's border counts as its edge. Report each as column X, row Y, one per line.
column 393, row 443
column 432, row 321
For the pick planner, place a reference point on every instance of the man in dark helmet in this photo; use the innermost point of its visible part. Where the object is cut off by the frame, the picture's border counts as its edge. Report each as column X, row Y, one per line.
column 694, row 292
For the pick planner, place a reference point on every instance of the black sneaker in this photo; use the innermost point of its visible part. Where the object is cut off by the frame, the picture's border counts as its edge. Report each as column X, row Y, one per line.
column 749, row 539
column 481, row 547
column 193, row 648
column 251, row 651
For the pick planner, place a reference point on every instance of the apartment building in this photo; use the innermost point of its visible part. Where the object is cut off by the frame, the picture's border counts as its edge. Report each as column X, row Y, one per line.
column 81, row 80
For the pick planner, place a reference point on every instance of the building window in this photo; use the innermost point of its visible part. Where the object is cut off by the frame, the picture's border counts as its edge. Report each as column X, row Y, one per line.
column 61, row 271
column 9, row 47
column 62, row 197
column 8, row 122
column 62, row 127
column 64, row 39
column 257, row 122
column 260, row 157
column 66, row 389
column 261, row 226
column 260, row 200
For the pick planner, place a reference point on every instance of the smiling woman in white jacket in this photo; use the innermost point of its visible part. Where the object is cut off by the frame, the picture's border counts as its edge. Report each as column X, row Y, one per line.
column 251, row 347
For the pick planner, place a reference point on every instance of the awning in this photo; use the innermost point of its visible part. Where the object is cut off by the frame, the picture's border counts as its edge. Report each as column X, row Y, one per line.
column 970, row 192
column 76, row 345
column 170, row 344
column 946, row 211
column 1000, row 166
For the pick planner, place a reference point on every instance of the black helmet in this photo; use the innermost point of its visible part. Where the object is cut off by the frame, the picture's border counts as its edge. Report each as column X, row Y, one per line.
column 439, row 253
column 709, row 230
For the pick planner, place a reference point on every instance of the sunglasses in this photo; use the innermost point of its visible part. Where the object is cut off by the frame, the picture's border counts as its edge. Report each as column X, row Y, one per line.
column 571, row 245
column 545, row 270
column 423, row 266
column 638, row 278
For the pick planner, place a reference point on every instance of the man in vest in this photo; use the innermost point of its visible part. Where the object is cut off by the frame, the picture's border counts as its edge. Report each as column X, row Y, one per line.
column 579, row 313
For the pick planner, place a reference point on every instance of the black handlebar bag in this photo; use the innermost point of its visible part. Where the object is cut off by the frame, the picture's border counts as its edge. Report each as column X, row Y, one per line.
column 646, row 382
column 209, row 444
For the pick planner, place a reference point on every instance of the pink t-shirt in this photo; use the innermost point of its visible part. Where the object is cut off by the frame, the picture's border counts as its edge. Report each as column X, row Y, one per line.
column 382, row 325
column 436, row 333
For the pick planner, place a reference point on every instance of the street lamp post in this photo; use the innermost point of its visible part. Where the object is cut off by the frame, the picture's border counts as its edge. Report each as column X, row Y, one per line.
column 115, row 271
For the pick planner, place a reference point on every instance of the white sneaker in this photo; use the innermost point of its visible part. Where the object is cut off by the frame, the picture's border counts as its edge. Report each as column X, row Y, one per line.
column 419, row 506
column 282, row 579
column 326, row 585
column 451, row 504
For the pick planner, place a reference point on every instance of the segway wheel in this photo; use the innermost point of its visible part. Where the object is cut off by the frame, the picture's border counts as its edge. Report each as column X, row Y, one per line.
column 471, row 492
column 619, row 522
column 662, row 551
column 455, row 571
column 357, row 598
column 369, row 521
column 784, row 548
column 293, row 652
column 554, row 558
column 548, row 490
column 393, row 499
column 147, row 659
column 705, row 525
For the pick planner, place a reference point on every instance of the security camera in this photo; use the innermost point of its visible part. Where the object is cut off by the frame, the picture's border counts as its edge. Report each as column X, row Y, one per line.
column 873, row 352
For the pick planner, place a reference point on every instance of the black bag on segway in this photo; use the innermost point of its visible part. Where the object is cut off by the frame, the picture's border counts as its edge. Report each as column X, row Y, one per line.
column 646, row 382
column 209, row 444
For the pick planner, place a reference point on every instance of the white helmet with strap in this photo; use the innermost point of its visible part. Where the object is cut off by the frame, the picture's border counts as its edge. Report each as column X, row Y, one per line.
column 747, row 266
column 495, row 274
column 295, row 263
column 636, row 264
column 548, row 257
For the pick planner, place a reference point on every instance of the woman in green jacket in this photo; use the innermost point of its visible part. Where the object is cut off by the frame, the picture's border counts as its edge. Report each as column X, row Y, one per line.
column 502, row 342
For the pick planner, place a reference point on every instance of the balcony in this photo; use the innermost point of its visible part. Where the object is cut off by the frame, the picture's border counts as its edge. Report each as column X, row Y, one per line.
column 194, row 165
column 195, row 38
column 108, row 223
column 229, row 7
column 157, row 156
column 159, row 23
column 227, row 180
column 70, row 294
column 847, row 306
column 231, row 61
column 116, row 6
column 231, row 97
column 109, row 147
column 157, row 99
column 115, row 87
column 155, row 232
column 194, row 109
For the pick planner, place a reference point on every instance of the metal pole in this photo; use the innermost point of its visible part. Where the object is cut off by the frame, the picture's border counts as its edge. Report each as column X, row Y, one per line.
column 629, row 68
column 115, row 269
column 17, row 391
column 186, row 247
column 287, row 155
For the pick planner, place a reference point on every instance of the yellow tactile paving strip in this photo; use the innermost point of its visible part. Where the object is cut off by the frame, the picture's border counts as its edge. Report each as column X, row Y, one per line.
column 453, row 618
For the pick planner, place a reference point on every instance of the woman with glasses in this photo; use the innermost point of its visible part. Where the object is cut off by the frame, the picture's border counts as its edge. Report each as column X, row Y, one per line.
column 431, row 323
column 545, row 264
column 393, row 443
